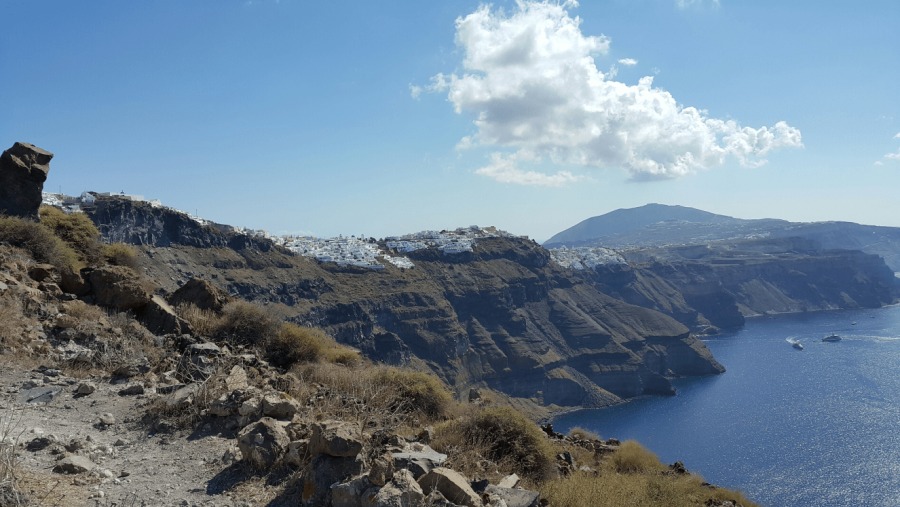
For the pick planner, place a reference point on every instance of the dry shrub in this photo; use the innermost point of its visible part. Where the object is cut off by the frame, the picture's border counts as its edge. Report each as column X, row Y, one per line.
column 502, row 435
column 638, row 490
column 40, row 242
column 415, row 392
column 583, row 434
column 203, row 322
column 12, row 321
column 77, row 230
column 374, row 396
column 632, row 457
column 9, row 468
column 120, row 254
column 292, row 344
column 246, row 324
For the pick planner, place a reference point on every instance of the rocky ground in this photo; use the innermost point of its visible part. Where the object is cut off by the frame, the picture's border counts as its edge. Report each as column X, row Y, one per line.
column 93, row 449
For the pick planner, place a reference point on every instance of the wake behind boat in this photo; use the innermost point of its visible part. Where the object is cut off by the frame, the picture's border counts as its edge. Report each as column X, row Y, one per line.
column 795, row 343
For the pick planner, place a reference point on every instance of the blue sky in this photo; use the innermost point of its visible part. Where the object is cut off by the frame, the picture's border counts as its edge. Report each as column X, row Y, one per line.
column 383, row 118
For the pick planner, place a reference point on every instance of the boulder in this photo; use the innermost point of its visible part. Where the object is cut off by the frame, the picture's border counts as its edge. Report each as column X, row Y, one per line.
column 419, row 462
column 350, row 493
column 85, row 388
column 297, row 453
column 201, row 294
column 41, row 272
column 263, row 443
column 452, row 485
column 159, row 317
column 117, row 287
column 515, row 497
column 279, row 405
column 74, row 465
column 23, row 171
column 323, row 472
column 335, row 438
column 401, row 491
column 381, row 470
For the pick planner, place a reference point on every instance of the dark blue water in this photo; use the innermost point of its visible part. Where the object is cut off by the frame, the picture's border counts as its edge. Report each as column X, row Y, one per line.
column 814, row 427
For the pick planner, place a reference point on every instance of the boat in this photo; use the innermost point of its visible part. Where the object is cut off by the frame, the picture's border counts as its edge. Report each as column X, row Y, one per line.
column 832, row 338
column 797, row 345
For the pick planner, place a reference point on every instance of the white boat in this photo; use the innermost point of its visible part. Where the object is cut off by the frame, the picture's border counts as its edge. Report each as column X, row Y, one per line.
column 832, row 338
column 797, row 345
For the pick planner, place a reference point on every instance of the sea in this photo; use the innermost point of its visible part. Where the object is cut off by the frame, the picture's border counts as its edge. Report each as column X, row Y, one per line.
column 812, row 427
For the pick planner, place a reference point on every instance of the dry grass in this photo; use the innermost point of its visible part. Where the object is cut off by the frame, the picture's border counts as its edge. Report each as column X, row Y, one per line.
column 203, row 322
column 633, row 458
column 120, row 254
column 293, row 344
column 634, row 476
column 373, row 396
column 500, row 435
column 12, row 321
column 246, row 324
column 10, row 492
column 583, row 434
column 40, row 242
column 77, row 230
column 637, row 490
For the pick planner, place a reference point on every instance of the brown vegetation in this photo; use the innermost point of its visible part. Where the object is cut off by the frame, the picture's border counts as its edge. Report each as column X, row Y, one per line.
column 77, row 230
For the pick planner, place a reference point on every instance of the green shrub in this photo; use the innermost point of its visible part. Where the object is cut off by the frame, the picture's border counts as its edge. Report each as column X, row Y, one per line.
column 246, row 324
column 415, row 392
column 40, row 242
column 77, row 230
column 121, row 254
column 632, row 457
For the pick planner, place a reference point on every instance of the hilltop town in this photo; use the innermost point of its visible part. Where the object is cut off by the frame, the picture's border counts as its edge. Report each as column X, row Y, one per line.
column 367, row 252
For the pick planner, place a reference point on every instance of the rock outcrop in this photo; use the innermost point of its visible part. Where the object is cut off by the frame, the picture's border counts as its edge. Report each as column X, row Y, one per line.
column 23, row 170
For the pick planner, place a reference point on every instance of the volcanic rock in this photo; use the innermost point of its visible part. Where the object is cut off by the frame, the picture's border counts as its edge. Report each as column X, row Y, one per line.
column 23, row 170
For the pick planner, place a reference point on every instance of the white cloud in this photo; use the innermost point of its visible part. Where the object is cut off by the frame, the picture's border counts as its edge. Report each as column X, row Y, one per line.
column 893, row 156
column 628, row 62
column 530, row 80
column 505, row 169
column 897, row 135
column 685, row 4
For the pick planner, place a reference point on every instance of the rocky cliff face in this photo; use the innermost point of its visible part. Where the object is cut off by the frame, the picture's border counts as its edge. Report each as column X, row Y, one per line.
column 23, row 170
column 502, row 316
column 712, row 287
column 140, row 223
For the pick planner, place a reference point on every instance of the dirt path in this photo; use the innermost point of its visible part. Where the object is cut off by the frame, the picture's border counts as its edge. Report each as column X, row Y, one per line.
column 133, row 467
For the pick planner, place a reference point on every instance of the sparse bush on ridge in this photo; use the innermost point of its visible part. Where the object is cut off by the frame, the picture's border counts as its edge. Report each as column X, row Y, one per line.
column 120, row 254
column 77, row 230
column 583, row 434
column 204, row 322
column 503, row 435
column 39, row 241
column 292, row 344
column 244, row 323
column 415, row 392
column 632, row 457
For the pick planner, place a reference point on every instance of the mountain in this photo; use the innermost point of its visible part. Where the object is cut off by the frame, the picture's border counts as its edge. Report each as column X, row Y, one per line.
column 657, row 225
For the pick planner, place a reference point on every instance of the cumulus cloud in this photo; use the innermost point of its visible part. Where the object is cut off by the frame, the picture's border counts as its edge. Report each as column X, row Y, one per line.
column 530, row 80
column 897, row 135
column 628, row 62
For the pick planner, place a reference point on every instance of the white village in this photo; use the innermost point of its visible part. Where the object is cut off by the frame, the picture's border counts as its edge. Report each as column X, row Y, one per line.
column 365, row 252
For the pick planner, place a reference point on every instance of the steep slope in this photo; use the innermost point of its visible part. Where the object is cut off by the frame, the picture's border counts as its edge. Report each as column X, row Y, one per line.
column 710, row 287
column 502, row 316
